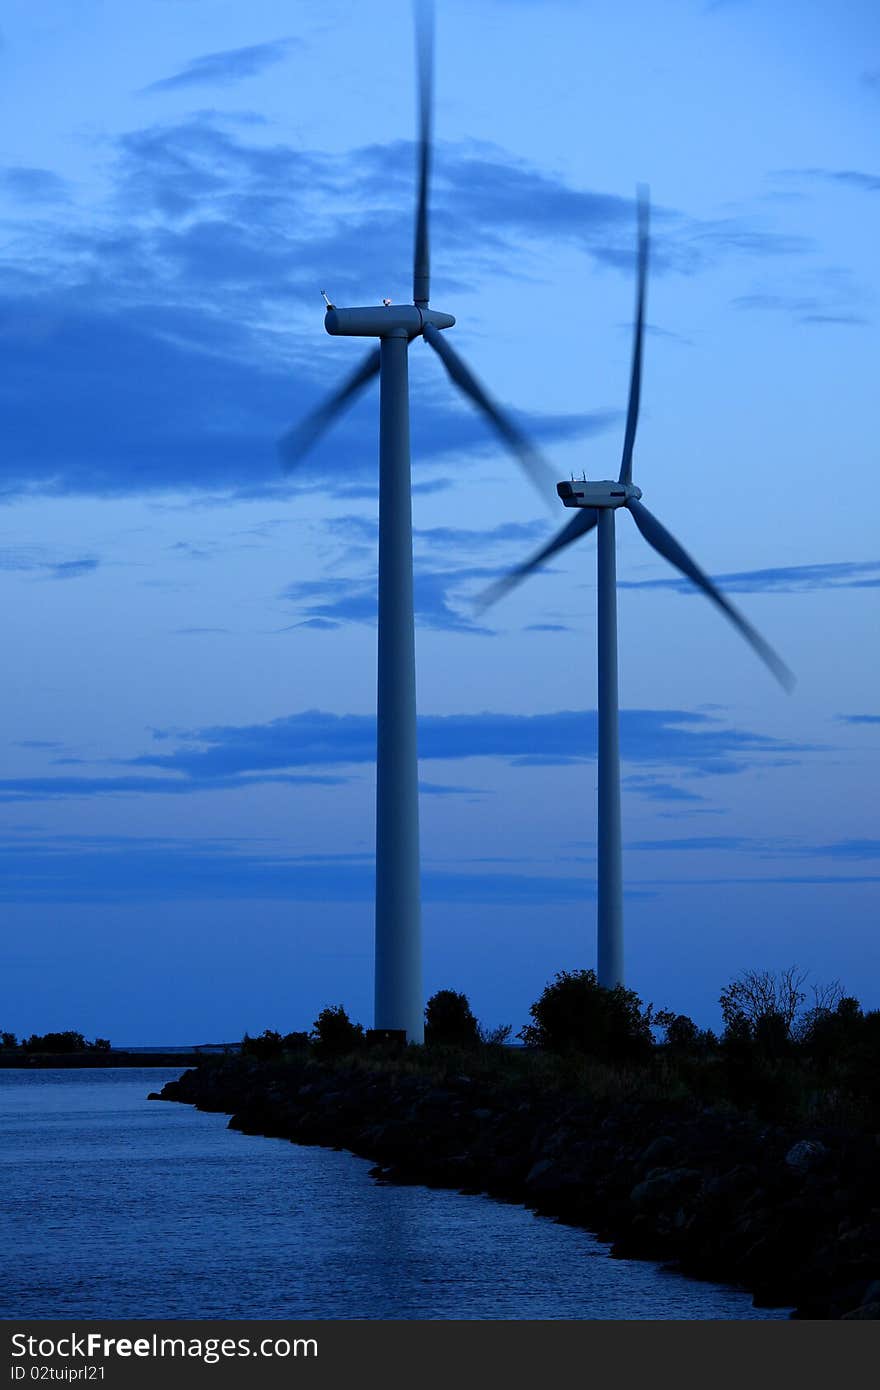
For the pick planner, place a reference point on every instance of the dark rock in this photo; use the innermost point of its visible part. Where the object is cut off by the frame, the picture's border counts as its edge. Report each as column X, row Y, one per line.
column 805, row 1155
column 663, row 1183
column 658, row 1152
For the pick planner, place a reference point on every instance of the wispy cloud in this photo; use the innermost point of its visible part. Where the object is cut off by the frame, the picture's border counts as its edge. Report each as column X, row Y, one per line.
column 206, row 249
column 849, row 178
column 691, row 843
column 73, row 569
column 31, row 185
column 824, row 295
column 33, row 560
column 859, row 718
column 850, row 849
column 791, row 579
column 314, row 747
column 113, row 869
column 312, row 738
column 230, row 65
column 657, row 789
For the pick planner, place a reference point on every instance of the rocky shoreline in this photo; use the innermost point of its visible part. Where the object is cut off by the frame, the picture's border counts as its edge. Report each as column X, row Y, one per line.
column 793, row 1217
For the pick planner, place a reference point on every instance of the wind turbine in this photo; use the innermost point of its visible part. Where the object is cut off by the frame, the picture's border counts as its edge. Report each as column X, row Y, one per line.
column 398, row 952
column 596, row 503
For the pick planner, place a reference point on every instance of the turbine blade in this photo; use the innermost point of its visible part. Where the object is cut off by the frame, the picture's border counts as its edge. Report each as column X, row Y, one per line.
column 584, row 519
column 424, row 17
column 296, row 442
column 635, row 378
column 667, row 546
column 462, row 376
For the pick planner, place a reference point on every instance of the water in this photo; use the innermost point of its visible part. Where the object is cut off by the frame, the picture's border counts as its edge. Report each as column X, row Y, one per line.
column 119, row 1207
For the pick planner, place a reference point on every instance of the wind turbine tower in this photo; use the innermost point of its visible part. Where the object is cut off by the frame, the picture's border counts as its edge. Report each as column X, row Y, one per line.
column 596, row 504
column 398, row 951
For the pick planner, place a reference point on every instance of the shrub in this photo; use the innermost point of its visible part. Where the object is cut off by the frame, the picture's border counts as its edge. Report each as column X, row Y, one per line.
column 68, row 1041
column 576, row 1013
column 268, row 1044
column 495, row 1037
column 682, row 1035
column 449, row 1021
column 828, row 1033
column 334, row 1034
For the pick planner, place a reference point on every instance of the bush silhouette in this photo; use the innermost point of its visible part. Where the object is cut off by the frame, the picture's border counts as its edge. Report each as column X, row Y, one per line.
column 68, row 1041
column 576, row 1013
column 334, row 1034
column 449, row 1021
column 268, row 1044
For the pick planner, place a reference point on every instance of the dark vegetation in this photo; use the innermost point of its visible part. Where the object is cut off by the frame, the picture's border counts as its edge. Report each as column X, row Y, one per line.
column 56, row 1043
column 786, row 1051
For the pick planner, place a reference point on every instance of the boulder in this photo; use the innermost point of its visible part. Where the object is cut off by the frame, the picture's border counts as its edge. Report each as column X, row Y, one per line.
column 805, row 1155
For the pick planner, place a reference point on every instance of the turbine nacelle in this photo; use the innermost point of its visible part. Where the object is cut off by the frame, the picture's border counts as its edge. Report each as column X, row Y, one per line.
column 600, row 494
column 384, row 321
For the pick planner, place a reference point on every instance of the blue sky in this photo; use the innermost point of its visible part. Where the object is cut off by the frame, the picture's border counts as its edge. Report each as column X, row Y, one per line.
column 186, row 802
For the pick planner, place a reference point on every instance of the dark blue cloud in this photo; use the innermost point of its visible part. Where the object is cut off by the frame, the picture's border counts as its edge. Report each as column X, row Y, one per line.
column 818, row 295
column 230, row 757
column 332, row 601
column 30, row 185
column 72, row 569
column 200, row 631
column 693, row 842
column 859, row 718
column 790, row 579
column 805, row 308
column 850, row 178
column 92, row 403
column 444, row 789
column 843, row 849
column 14, row 789
column 438, row 602
column 696, row 742
column 186, row 273
column 851, row 849
column 657, row 789
column 231, row 65
column 31, row 560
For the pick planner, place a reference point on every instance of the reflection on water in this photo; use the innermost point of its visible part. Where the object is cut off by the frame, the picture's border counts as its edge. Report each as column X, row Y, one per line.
column 118, row 1207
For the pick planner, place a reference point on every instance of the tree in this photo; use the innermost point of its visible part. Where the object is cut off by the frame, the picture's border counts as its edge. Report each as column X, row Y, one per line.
column 576, row 1013
column 100, row 1045
column 334, row 1034
column 681, row 1034
column 761, row 1007
column 8, row 1040
column 268, row 1044
column 449, row 1021
column 68, row 1041
column 828, row 1033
